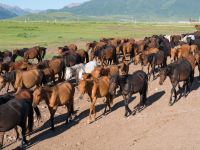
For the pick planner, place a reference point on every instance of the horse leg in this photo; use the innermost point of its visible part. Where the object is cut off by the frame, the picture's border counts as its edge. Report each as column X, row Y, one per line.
column 126, row 102
column 107, row 104
column 149, row 74
column 23, row 126
column 175, row 94
column 69, row 113
column 143, row 97
column 153, row 71
column 8, row 87
column 18, row 90
column 1, row 139
column 17, row 133
column 52, row 112
column 199, row 68
column 92, row 109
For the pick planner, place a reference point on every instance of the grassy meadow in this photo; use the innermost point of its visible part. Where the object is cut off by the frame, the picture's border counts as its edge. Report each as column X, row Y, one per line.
column 51, row 35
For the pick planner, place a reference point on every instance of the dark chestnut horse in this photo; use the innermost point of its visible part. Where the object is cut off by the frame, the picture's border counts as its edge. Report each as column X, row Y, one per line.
column 17, row 113
column 132, row 84
column 107, row 53
column 155, row 59
column 177, row 72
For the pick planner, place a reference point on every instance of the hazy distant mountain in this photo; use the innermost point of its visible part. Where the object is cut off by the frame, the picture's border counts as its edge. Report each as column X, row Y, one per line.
column 72, row 5
column 7, row 11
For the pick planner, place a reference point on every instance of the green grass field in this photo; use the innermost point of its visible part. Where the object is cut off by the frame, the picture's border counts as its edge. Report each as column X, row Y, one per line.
column 27, row 34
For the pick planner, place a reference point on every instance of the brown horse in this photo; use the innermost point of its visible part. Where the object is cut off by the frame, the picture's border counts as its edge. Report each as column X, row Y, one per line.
column 59, row 95
column 84, row 55
column 18, row 65
column 128, row 48
column 31, row 53
column 72, row 47
column 35, row 52
column 96, row 88
column 23, row 79
column 58, row 67
column 108, row 54
column 49, row 75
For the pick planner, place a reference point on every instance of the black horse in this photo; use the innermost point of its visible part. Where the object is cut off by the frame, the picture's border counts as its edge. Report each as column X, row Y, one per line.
column 13, row 113
column 177, row 72
column 129, row 85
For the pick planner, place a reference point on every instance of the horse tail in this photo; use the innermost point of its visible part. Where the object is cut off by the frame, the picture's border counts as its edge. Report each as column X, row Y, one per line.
column 43, row 53
column 115, row 56
column 37, row 111
column 72, row 101
column 86, row 57
column 30, row 118
column 72, row 106
column 43, row 78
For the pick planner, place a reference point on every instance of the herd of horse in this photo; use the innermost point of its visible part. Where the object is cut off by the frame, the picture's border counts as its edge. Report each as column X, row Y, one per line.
column 102, row 70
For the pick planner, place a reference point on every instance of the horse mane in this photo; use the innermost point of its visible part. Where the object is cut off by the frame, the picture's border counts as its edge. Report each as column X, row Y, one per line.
column 10, row 76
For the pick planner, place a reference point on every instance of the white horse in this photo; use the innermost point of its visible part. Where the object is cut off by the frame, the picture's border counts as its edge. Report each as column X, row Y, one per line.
column 77, row 71
column 168, row 37
column 184, row 39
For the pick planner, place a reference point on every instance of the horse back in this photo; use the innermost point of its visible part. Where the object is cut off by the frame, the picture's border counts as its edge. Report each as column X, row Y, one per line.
column 65, row 93
column 181, row 70
column 101, row 86
column 31, row 78
column 15, row 112
column 137, row 81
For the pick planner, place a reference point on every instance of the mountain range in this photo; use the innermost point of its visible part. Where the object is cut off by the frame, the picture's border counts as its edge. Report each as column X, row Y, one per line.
column 144, row 10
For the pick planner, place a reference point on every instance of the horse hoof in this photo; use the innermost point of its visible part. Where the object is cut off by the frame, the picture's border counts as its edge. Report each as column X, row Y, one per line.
column 170, row 104
column 133, row 113
column 89, row 121
column 126, row 115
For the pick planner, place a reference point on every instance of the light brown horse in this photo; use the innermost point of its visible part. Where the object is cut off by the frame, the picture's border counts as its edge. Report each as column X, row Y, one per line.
column 59, row 95
column 18, row 65
column 96, row 88
column 22, row 79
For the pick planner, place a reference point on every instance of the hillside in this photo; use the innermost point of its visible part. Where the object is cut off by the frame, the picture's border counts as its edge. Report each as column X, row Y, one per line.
column 126, row 10
column 139, row 9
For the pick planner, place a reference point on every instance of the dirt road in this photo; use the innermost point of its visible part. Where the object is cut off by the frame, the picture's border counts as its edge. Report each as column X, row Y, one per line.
column 157, row 127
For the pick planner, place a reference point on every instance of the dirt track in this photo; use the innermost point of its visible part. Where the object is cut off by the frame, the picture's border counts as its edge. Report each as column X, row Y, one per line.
column 157, row 127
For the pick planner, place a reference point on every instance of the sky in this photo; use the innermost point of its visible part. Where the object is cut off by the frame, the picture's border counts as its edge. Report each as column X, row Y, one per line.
column 40, row 4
